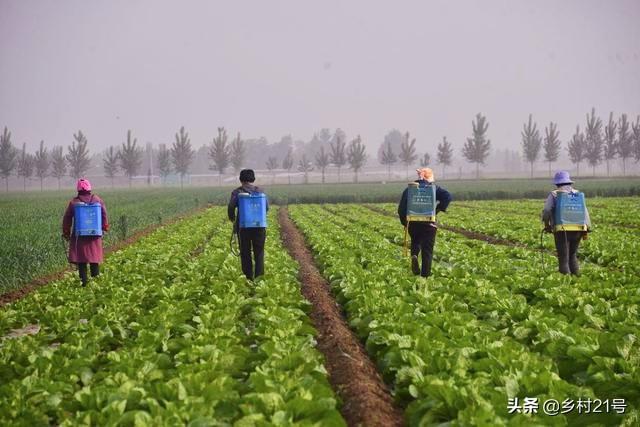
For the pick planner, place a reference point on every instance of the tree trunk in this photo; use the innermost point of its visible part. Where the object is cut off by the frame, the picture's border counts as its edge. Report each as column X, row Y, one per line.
column 477, row 170
column 531, row 170
column 549, row 168
column 181, row 184
column 356, row 177
column 406, row 168
column 58, row 183
column 6, row 181
column 289, row 176
column 594, row 170
column 578, row 171
column 323, row 175
column 339, row 174
column 24, row 184
column 41, row 179
column 443, row 169
column 608, row 168
column 129, row 181
column 389, row 172
column 624, row 167
column 111, row 182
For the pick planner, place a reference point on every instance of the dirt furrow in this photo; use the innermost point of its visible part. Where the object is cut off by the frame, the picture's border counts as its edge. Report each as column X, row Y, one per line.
column 366, row 399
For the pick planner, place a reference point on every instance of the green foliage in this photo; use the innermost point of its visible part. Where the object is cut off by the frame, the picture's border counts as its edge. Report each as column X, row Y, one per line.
column 30, row 225
column 459, row 344
column 163, row 337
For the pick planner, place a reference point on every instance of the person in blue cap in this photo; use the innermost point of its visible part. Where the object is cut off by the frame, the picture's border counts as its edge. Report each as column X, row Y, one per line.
column 251, row 239
column 565, row 215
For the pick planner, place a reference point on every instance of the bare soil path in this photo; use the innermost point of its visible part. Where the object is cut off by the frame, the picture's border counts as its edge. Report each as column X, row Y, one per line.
column 366, row 399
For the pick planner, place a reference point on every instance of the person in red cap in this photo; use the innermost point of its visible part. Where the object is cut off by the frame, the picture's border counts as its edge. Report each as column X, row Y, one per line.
column 565, row 215
column 84, row 249
column 423, row 230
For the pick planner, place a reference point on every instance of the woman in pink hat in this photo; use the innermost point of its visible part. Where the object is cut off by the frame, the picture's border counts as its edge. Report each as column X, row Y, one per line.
column 85, row 247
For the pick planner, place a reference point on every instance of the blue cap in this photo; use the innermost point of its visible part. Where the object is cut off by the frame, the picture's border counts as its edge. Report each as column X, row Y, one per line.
column 562, row 177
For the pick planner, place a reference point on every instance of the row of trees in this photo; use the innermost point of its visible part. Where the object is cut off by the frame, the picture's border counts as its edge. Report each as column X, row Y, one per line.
column 617, row 139
column 326, row 149
column 76, row 161
column 42, row 163
column 128, row 157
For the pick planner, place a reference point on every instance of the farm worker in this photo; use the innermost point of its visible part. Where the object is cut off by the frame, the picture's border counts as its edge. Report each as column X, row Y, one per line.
column 421, row 225
column 250, row 223
column 85, row 246
column 565, row 215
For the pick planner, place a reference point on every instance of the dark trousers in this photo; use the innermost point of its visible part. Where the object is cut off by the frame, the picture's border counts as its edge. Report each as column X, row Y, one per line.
column 423, row 237
column 252, row 239
column 82, row 271
column 567, row 243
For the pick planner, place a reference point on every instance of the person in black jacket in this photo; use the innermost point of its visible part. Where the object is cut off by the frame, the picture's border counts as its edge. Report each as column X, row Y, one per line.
column 423, row 233
column 250, row 239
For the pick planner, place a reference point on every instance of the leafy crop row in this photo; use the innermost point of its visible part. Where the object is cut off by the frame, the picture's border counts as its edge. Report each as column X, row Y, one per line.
column 610, row 245
column 30, row 226
column 459, row 344
column 171, row 333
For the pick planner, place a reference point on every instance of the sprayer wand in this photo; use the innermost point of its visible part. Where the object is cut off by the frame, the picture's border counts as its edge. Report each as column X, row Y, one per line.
column 542, row 265
column 233, row 240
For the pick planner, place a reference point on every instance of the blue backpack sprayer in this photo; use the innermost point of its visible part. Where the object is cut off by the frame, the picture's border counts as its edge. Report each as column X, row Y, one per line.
column 87, row 220
column 252, row 213
column 421, row 205
column 570, row 214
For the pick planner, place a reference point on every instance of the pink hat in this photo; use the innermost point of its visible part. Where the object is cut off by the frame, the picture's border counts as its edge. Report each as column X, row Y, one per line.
column 83, row 185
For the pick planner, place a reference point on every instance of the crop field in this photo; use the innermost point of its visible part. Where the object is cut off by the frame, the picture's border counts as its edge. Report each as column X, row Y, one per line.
column 31, row 226
column 171, row 333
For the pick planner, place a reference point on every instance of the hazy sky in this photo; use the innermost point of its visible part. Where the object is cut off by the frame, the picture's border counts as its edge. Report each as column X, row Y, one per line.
column 269, row 68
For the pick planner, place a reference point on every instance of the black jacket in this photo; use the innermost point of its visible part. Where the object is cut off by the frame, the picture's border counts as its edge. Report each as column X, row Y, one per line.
column 443, row 197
